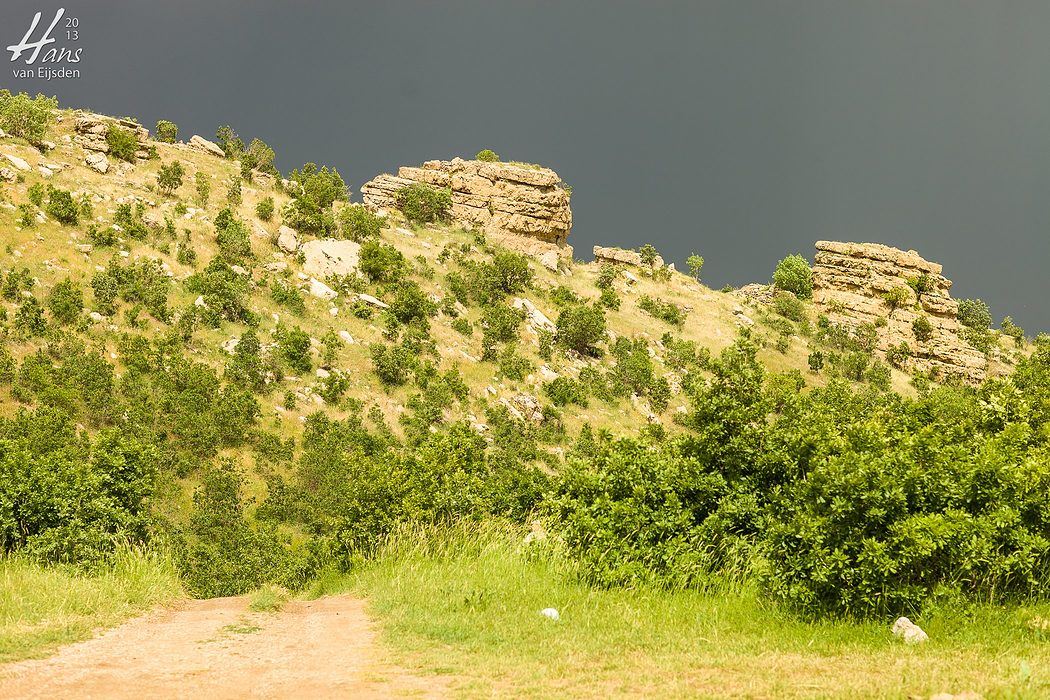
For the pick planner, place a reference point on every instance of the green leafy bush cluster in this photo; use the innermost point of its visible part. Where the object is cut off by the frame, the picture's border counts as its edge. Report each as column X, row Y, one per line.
column 26, row 117
column 166, row 131
column 663, row 310
column 61, row 207
column 123, row 143
column 792, row 274
column 313, row 191
column 424, row 204
column 359, row 224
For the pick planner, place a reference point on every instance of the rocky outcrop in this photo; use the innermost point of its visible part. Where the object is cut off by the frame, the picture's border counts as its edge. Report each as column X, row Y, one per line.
column 620, row 256
column 199, row 143
column 92, row 129
column 850, row 281
column 504, row 200
column 328, row 256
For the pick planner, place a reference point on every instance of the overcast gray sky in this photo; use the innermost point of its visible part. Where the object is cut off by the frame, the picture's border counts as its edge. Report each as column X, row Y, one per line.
column 744, row 131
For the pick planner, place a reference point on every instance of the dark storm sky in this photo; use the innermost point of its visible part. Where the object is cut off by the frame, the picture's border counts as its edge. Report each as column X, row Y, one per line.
column 741, row 130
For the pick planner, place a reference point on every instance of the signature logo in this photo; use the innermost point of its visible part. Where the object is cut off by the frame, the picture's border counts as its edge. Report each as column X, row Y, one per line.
column 53, row 55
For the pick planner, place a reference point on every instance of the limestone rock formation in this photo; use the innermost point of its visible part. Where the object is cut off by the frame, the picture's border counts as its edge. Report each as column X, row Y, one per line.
column 527, row 208
column 620, row 256
column 92, row 130
column 328, row 256
column 849, row 281
column 199, row 143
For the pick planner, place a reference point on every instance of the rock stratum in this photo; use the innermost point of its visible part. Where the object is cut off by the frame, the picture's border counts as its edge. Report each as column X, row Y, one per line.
column 526, row 206
column 849, row 281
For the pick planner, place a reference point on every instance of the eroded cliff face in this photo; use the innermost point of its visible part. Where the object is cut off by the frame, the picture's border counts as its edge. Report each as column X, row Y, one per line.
column 849, row 284
column 527, row 205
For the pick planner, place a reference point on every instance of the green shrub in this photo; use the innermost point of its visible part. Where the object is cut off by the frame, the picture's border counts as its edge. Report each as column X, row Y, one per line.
column 233, row 191
column 381, row 263
column 294, row 345
column 897, row 355
column 695, row 263
column 922, row 329
column 922, row 284
column 65, row 302
column 264, row 209
column 789, row 306
column 30, row 317
column 793, row 275
column 974, row 313
column 487, row 156
column 500, row 324
column 649, row 254
column 169, row 178
column 288, row 296
column 26, row 117
column 35, row 193
column 166, row 131
column 1012, row 330
column 663, row 310
column 123, row 143
column 609, row 299
column 231, row 144
column 606, row 275
column 359, row 224
column 233, row 239
column 392, row 364
column 203, row 190
column 61, row 207
column 581, row 328
column 897, row 298
column 463, row 326
column 423, row 204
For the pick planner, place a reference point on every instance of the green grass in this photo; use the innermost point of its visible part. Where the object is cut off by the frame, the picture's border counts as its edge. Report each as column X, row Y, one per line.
column 467, row 604
column 268, row 599
column 43, row 607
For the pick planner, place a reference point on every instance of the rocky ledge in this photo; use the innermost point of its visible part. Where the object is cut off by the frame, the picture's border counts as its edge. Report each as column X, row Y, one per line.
column 523, row 204
column 849, row 284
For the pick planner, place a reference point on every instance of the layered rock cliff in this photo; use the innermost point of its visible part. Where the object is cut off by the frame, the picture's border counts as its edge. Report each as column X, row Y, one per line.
column 849, row 284
column 520, row 202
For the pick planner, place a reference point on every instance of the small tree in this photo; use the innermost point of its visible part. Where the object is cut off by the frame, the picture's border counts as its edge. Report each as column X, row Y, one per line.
column 922, row 329
column 166, row 131
column 65, row 302
column 423, row 204
column 25, row 116
column 580, row 328
column 358, row 224
column 169, row 178
column 695, row 263
column 264, row 209
column 1011, row 330
column 974, row 313
column 487, row 156
column 203, row 190
column 649, row 254
column 61, row 206
column 122, row 143
column 233, row 191
column 793, row 275
column 896, row 297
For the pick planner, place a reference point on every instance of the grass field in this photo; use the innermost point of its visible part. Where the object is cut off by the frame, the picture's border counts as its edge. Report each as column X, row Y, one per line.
column 44, row 607
column 467, row 605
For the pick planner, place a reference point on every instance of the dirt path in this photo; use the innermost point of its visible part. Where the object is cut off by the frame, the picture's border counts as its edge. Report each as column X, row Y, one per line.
column 219, row 649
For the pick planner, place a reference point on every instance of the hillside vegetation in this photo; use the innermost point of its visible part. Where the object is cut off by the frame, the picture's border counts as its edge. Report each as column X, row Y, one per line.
column 170, row 376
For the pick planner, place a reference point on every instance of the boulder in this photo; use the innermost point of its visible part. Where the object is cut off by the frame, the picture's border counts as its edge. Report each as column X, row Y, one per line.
column 18, row 162
column 372, row 301
column 321, row 290
column 8, row 175
column 199, row 143
column 536, row 318
column 330, row 257
column 98, row 162
column 550, row 260
column 621, row 256
column 908, row 631
column 287, row 239
column 92, row 129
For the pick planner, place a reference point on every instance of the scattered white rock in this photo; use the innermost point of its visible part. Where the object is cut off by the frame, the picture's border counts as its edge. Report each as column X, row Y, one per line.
column 231, row 345
column 97, row 162
column 333, row 311
column 238, row 269
column 287, row 239
column 18, row 162
column 202, row 144
column 321, row 290
column 95, row 317
column 550, row 260
column 46, row 173
column 909, row 631
column 200, row 303
column 329, row 256
column 322, row 373
column 537, row 534
column 259, row 231
column 631, row 279
column 372, row 301
column 535, row 317
column 550, row 614
column 347, row 338
column 85, row 247
column 279, row 266
column 8, row 175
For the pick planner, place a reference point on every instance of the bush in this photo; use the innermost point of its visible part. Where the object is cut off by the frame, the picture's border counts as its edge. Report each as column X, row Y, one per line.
column 392, row 364
column 381, row 263
column 897, row 297
column 65, row 302
column 695, row 263
column 359, row 224
column 974, row 313
column 288, row 296
column 581, row 328
column 922, row 329
column 423, row 204
column 500, row 324
column 793, row 275
column 487, row 156
column 897, row 355
column 231, row 144
column 166, row 131
column 35, row 194
column 233, row 239
column 789, row 306
column 264, row 209
column 563, row 391
column 663, row 310
column 203, row 190
column 294, row 345
column 1012, row 330
column 169, row 178
column 26, row 117
column 123, row 143
column 61, row 207
column 233, row 191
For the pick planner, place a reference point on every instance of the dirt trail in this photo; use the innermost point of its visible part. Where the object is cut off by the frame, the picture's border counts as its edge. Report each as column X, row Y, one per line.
column 219, row 649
